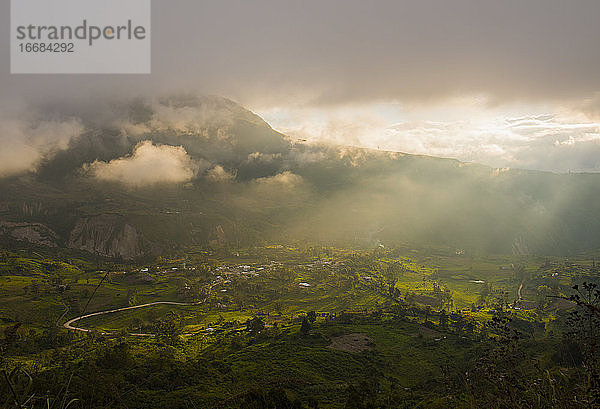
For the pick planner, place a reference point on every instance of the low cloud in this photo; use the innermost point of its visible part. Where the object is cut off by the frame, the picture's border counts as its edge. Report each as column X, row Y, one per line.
column 263, row 157
column 284, row 179
column 219, row 174
column 469, row 129
column 148, row 165
column 183, row 114
column 591, row 107
column 282, row 189
column 27, row 142
column 542, row 142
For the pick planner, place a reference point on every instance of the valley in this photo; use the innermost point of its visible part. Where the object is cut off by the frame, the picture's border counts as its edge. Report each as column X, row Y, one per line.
column 271, row 322
column 183, row 254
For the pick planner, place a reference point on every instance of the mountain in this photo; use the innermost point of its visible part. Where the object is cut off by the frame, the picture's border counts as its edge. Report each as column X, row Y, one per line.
column 146, row 176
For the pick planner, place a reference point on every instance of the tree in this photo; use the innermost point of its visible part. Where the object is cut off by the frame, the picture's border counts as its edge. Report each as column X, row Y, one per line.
column 486, row 290
column 255, row 325
column 390, row 275
column 135, row 324
column 498, row 378
column 312, row 316
column 543, row 291
column 443, row 319
column 305, row 327
column 168, row 329
column 584, row 323
column 355, row 398
column 131, row 296
column 458, row 322
column 427, row 313
column 443, row 296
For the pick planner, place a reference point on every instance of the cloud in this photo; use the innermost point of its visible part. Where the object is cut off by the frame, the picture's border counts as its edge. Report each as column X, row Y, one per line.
column 27, row 142
column 308, row 154
column 354, row 51
column 148, row 165
column 263, row 157
column 282, row 189
column 198, row 116
column 542, row 142
column 346, row 125
column 466, row 128
column 218, row 174
column 591, row 107
column 188, row 114
column 285, row 179
column 316, row 56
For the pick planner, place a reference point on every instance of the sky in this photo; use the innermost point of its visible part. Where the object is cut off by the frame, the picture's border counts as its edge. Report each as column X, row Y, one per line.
column 505, row 83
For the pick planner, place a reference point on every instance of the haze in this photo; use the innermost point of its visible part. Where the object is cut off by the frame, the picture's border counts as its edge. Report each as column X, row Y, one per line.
column 509, row 84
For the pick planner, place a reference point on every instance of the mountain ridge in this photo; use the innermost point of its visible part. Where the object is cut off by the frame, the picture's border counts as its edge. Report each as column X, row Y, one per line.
column 173, row 169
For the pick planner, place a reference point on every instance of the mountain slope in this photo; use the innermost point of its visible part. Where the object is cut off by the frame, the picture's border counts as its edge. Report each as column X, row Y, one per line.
column 156, row 174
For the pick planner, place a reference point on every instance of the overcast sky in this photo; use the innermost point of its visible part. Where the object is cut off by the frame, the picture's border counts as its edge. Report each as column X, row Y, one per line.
column 508, row 83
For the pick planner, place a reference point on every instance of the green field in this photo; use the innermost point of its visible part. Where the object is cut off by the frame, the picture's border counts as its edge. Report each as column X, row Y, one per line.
column 390, row 328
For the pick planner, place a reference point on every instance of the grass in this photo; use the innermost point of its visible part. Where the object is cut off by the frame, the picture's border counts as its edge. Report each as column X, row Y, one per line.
column 276, row 289
column 408, row 354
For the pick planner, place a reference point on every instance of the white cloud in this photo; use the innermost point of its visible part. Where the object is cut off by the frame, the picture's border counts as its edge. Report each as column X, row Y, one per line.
column 263, row 157
column 526, row 142
column 284, row 179
column 185, row 115
column 148, row 165
column 468, row 128
column 591, row 107
column 26, row 142
column 218, row 174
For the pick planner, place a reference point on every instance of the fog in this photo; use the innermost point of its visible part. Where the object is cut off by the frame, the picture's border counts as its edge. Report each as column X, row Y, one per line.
column 269, row 53
column 174, row 140
column 232, row 169
column 344, row 61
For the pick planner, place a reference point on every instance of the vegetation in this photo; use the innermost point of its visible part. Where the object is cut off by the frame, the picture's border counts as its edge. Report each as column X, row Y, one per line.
column 299, row 327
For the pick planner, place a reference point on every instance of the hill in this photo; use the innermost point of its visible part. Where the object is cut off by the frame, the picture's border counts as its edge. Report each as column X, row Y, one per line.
column 144, row 176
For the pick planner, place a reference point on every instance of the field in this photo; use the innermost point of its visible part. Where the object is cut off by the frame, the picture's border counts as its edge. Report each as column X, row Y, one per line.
column 313, row 326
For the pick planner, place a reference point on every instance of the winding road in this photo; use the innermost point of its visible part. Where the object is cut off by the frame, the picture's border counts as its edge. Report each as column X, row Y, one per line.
column 68, row 324
column 519, row 292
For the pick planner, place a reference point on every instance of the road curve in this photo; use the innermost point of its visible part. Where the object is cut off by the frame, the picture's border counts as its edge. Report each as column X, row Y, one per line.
column 68, row 324
column 519, row 292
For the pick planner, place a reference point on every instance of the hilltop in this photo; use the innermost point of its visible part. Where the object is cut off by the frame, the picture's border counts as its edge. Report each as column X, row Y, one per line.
column 146, row 175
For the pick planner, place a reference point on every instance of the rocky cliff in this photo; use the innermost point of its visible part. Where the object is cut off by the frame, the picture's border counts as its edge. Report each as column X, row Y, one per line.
column 34, row 233
column 108, row 235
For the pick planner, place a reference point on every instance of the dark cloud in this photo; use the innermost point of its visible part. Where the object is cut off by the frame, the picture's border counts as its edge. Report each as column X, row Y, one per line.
column 279, row 52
